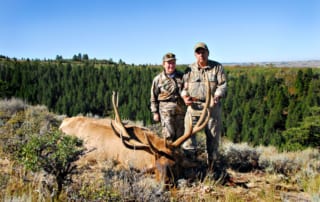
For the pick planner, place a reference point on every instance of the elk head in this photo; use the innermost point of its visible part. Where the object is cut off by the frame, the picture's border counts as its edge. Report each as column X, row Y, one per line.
column 167, row 154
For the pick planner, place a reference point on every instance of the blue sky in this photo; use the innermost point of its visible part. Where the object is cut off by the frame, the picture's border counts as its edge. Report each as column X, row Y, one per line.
column 142, row 31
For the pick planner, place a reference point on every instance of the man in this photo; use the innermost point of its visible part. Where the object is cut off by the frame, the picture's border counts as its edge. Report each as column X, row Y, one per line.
column 194, row 95
column 167, row 105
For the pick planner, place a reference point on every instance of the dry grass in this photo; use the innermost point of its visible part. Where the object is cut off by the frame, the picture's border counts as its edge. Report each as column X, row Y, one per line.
column 245, row 173
column 8, row 107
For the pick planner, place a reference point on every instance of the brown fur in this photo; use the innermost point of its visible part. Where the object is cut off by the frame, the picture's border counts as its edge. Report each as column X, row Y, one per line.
column 133, row 146
column 97, row 134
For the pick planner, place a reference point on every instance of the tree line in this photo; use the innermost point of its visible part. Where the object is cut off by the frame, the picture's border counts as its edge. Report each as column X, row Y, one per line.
column 273, row 106
column 263, row 106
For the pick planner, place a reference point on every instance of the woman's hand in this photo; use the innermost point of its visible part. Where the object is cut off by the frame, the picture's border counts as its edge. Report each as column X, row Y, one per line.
column 156, row 117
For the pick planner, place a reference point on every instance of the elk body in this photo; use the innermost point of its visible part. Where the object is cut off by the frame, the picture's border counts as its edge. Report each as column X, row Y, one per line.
column 133, row 146
column 100, row 139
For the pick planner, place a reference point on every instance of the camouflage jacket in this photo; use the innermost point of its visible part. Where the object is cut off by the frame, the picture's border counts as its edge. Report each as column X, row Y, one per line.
column 194, row 84
column 165, row 89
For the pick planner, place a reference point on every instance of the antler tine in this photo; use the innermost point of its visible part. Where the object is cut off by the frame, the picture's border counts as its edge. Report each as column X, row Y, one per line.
column 117, row 100
column 186, row 135
column 118, row 123
column 206, row 104
column 115, row 106
column 199, row 127
column 121, row 131
column 203, row 119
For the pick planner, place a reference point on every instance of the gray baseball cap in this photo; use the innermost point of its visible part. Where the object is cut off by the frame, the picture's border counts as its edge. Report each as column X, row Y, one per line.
column 200, row 45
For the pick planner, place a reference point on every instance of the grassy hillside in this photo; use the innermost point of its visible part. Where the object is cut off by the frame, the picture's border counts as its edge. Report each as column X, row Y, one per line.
column 243, row 173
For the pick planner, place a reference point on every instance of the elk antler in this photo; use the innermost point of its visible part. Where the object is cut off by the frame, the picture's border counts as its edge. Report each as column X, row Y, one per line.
column 126, row 141
column 203, row 119
column 120, row 130
column 118, row 124
column 158, row 152
column 141, row 138
column 115, row 106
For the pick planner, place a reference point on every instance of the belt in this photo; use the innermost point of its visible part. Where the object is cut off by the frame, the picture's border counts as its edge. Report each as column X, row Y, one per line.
column 198, row 99
column 170, row 100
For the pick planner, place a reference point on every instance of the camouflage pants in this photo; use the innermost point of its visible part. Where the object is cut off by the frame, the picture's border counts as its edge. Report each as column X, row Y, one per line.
column 212, row 131
column 172, row 120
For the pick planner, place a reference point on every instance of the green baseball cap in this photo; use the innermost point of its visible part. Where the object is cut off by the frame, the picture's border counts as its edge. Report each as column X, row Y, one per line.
column 168, row 57
column 200, row 45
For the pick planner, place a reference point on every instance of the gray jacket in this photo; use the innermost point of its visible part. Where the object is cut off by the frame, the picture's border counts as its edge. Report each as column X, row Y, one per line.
column 194, row 80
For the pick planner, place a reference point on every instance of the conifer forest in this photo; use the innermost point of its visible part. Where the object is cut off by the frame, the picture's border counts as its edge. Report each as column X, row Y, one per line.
column 265, row 105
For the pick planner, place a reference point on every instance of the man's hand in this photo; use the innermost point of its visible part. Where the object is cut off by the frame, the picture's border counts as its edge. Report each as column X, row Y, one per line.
column 156, row 117
column 216, row 99
column 187, row 100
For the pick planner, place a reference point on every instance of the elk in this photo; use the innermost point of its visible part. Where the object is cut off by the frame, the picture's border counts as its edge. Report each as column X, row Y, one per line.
column 133, row 146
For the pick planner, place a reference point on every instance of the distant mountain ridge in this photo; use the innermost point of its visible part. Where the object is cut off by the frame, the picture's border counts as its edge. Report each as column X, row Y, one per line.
column 298, row 63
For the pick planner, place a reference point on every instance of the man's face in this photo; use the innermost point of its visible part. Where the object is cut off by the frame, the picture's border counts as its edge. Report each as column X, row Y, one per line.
column 170, row 66
column 202, row 55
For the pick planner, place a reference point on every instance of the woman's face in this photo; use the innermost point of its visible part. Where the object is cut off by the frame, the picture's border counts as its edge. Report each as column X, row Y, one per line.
column 169, row 66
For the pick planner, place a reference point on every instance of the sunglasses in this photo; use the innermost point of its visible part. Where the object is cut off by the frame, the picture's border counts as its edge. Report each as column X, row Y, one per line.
column 201, row 51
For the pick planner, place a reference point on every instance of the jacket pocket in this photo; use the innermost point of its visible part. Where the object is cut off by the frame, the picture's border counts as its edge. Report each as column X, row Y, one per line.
column 213, row 82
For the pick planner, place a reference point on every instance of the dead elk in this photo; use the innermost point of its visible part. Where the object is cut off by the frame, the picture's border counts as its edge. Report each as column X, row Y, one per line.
column 167, row 155
column 133, row 146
